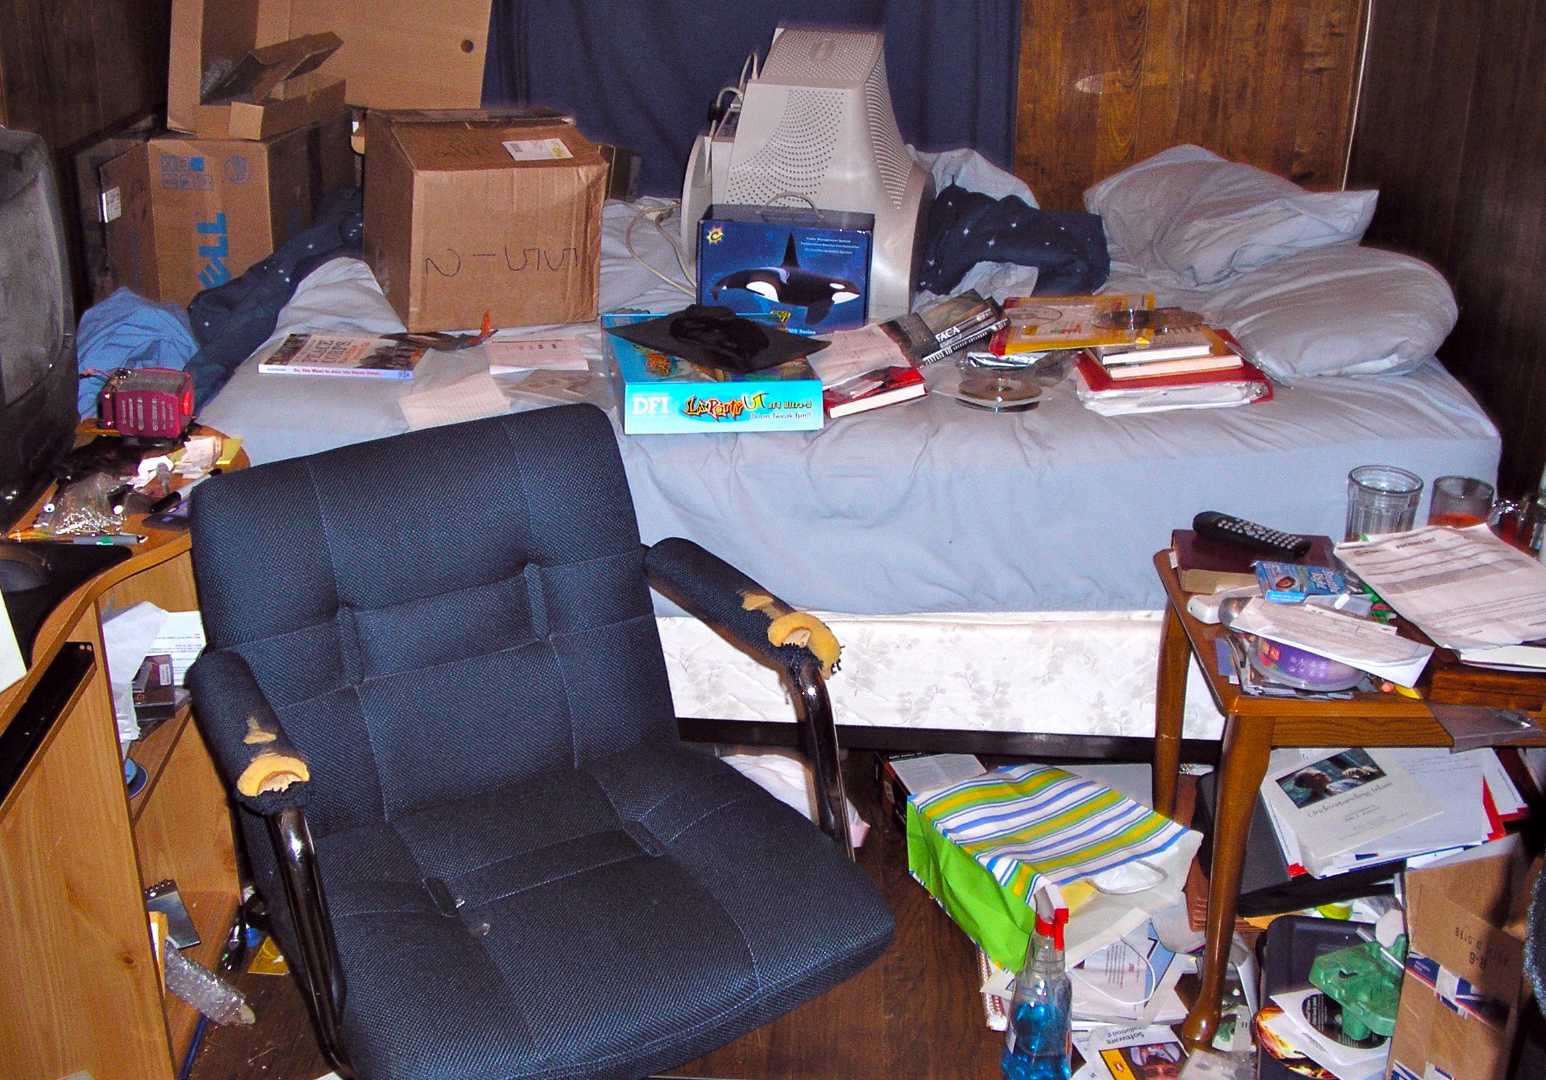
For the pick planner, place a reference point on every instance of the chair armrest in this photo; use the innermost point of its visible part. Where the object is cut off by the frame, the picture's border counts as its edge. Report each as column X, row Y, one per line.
column 266, row 771
column 739, row 609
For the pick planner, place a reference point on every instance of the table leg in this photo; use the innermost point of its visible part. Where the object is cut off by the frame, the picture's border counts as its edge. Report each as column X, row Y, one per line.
column 1241, row 769
column 1169, row 705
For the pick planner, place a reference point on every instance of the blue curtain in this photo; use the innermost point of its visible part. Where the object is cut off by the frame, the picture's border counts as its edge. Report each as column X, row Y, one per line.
column 643, row 74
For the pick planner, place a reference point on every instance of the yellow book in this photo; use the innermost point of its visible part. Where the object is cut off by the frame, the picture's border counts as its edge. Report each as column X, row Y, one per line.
column 1040, row 323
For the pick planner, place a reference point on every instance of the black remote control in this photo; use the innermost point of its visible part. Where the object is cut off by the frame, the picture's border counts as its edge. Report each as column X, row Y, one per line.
column 1224, row 529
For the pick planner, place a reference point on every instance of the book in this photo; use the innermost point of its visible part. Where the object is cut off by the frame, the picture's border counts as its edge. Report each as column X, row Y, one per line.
column 946, row 326
column 1042, row 323
column 1099, row 379
column 1186, row 365
column 1341, row 802
column 1206, row 566
column 1190, row 343
column 343, row 354
column 866, row 369
column 893, row 386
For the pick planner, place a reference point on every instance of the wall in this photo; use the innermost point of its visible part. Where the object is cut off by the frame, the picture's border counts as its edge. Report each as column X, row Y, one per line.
column 1452, row 128
column 1103, row 85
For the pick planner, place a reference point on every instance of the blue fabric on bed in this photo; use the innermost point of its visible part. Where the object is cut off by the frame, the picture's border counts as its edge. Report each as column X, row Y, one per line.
column 232, row 319
column 127, row 330
column 1067, row 248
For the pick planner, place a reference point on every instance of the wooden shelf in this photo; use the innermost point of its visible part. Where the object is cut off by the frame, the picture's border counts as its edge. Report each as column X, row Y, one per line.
column 151, row 753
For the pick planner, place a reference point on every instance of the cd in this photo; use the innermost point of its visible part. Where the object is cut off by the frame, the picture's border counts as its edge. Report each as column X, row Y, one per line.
column 999, row 390
column 1324, row 1015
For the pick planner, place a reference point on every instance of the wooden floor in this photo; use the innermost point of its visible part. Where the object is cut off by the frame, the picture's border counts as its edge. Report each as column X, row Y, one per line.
column 913, row 1015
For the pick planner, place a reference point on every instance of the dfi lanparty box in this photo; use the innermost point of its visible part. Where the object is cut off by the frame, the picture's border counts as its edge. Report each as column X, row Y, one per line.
column 470, row 211
column 666, row 395
column 808, row 268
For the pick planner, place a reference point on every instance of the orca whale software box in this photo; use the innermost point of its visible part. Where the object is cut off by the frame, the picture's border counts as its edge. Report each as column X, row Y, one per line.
column 810, row 269
column 666, row 395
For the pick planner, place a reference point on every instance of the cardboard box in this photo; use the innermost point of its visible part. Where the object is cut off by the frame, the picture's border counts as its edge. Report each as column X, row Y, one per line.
column 810, row 268
column 665, row 395
column 1461, row 993
column 474, row 211
column 253, row 69
column 184, row 215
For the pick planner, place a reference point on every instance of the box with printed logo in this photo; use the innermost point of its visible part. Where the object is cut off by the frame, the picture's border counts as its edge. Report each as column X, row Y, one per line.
column 665, row 395
column 810, row 269
column 184, row 215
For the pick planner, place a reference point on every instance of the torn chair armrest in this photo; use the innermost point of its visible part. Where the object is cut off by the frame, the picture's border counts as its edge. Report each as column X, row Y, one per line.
column 738, row 608
column 266, row 769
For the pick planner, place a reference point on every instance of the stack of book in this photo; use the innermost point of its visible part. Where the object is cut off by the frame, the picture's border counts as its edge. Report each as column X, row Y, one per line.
column 1196, row 368
column 1334, row 811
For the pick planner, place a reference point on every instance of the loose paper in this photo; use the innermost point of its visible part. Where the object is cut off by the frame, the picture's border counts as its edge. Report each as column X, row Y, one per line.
column 470, row 398
column 856, row 354
column 12, row 665
column 537, row 149
column 527, row 354
column 1357, row 642
column 1465, row 588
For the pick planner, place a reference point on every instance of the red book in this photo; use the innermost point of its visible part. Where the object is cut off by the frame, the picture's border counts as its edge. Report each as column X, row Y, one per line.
column 1099, row 380
column 897, row 384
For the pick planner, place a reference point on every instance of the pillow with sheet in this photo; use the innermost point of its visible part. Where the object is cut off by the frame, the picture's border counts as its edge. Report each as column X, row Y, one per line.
column 1191, row 216
column 1342, row 310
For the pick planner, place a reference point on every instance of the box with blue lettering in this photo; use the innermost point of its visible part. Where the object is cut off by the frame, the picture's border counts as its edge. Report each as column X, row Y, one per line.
column 184, row 214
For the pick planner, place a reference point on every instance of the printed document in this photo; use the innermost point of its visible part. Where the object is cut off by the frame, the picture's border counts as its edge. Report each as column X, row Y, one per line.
column 1465, row 588
column 1360, row 643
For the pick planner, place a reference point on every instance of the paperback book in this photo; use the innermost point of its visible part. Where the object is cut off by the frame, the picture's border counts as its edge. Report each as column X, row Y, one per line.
column 1194, row 342
column 342, row 354
column 1338, row 802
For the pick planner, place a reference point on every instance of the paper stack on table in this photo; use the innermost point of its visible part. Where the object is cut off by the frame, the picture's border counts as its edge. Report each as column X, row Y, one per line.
column 1339, row 810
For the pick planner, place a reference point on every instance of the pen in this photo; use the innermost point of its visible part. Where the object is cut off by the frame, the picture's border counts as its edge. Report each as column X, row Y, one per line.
column 109, row 538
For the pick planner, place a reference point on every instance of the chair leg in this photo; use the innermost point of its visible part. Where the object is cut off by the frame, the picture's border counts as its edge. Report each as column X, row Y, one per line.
column 813, row 710
column 321, row 977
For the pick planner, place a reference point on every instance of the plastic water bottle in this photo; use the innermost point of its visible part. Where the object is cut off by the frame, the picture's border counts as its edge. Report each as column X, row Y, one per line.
column 1038, row 1043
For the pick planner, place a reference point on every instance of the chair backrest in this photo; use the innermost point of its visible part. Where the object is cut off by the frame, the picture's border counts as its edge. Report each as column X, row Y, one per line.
column 439, row 613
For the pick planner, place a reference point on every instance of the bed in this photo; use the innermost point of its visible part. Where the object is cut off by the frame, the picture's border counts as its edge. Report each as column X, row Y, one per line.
column 987, row 573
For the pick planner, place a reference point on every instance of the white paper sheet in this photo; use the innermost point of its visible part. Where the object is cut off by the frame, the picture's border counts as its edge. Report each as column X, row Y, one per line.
column 1464, row 587
column 469, row 398
column 182, row 636
column 529, row 354
column 853, row 354
column 128, row 637
column 12, row 666
column 1361, row 643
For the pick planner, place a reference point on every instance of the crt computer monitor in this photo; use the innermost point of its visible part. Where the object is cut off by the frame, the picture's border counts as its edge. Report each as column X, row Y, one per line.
column 37, row 325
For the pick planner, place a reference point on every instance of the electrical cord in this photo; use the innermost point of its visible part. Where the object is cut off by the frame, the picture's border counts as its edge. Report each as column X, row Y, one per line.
column 657, row 215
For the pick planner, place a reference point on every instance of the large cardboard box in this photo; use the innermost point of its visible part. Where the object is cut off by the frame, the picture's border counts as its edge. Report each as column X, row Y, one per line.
column 184, row 215
column 1461, row 993
column 256, row 68
column 474, row 211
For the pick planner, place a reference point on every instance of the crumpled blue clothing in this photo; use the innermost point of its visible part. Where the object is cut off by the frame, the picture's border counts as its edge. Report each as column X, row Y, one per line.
column 1068, row 248
column 128, row 331
column 233, row 319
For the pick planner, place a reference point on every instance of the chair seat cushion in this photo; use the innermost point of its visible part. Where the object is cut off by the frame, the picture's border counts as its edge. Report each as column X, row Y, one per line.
column 612, row 919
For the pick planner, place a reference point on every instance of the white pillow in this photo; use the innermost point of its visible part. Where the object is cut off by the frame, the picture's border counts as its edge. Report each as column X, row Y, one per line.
column 1341, row 310
column 1197, row 220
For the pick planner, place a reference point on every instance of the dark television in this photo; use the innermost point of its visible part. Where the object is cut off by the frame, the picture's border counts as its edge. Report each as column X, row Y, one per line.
column 37, row 326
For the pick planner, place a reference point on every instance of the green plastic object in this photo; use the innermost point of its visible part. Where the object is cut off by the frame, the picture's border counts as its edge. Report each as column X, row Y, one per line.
column 1366, row 981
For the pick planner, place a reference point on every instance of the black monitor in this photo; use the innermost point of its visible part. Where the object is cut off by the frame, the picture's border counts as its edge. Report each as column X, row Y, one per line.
column 37, row 326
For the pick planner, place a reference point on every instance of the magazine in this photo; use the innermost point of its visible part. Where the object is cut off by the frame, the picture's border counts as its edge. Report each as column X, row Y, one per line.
column 1040, row 323
column 1137, row 1053
column 343, row 354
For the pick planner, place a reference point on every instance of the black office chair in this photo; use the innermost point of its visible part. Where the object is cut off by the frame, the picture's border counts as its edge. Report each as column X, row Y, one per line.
column 434, row 680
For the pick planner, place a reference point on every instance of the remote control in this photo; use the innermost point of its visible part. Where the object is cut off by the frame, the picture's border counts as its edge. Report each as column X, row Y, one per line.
column 1225, row 529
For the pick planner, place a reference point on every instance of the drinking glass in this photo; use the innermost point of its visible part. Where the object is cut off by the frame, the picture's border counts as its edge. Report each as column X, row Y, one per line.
column 1459, row 501
column 1381, row 499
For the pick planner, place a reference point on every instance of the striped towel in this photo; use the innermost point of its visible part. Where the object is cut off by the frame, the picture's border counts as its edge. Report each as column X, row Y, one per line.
column 1029, row 823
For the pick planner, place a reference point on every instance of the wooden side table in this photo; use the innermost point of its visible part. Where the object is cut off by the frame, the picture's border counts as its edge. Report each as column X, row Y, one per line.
column 1254, row 726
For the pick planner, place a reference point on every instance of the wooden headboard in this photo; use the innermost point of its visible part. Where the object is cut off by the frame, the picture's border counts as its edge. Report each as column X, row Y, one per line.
column 1106, row 83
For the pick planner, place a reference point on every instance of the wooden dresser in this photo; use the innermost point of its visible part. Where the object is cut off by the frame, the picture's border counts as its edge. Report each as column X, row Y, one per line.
column 79, row 988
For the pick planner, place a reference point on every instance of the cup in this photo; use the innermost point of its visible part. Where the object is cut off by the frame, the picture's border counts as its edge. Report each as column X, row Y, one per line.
column 1521, row 522
column 1460, row 501
column 1381, row 499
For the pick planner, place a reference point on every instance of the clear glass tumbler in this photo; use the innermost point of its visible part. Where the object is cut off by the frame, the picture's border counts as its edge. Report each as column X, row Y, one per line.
column 1381, row 499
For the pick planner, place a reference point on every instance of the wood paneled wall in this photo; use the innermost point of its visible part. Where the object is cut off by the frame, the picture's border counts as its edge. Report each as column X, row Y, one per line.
column 1452, row 129
column 70, row 69
column 1105, row 84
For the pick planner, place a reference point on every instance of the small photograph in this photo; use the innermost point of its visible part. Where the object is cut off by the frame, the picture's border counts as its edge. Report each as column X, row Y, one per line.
column 1329, row 777
column 1151, row 1061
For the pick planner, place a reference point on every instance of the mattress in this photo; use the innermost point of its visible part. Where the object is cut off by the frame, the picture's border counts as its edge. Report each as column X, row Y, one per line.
column 990, row 571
